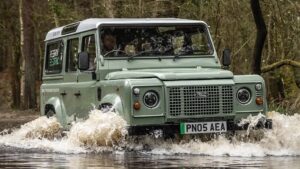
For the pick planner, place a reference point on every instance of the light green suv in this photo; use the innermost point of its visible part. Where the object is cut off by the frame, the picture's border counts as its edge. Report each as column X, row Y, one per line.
column 155, row 73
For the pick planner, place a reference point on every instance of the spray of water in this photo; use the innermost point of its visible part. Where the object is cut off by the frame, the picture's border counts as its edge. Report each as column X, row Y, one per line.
column 100, row 132
column 100, row 129
column 107, row 132
column 282, row 140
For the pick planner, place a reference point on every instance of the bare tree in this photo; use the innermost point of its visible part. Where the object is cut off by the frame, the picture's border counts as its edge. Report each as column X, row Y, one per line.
column 260, row 36
column 53, row 11
column 29, row 88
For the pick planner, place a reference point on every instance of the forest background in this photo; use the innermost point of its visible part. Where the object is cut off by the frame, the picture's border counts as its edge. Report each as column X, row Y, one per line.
column 24, row 24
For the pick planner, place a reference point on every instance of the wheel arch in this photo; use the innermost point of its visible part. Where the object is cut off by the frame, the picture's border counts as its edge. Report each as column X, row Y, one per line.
column 112, row 101
column 58, row 107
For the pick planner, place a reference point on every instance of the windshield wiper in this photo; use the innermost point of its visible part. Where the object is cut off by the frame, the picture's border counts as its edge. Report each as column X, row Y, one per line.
column 144, row 52
column 114, row 51
column 184, row 53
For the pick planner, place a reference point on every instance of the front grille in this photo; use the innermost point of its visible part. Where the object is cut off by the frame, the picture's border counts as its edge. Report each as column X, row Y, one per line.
column 200, row 100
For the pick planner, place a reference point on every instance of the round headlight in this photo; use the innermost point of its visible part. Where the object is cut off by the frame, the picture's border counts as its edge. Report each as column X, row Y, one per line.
column 151, row 99
column 244, row 95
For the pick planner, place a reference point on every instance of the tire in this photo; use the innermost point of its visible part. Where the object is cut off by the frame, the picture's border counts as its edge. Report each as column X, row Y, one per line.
column 106, row 108
column 50, row 113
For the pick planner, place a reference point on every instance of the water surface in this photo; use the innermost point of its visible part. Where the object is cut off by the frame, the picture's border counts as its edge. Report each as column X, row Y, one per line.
column 101, row 142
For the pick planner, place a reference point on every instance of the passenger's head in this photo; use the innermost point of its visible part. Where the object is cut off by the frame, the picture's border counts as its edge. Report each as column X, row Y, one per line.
column 109, row 41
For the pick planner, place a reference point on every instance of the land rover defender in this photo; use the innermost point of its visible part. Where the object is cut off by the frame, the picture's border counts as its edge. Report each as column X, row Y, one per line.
column 155, row 73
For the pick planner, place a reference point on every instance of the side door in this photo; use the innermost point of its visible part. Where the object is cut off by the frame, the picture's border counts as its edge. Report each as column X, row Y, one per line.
column 68, row 88
column 86, row 87
column 53, row 75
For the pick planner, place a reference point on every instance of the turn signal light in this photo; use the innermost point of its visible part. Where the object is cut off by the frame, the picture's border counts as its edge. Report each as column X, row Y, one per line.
column 259, row 100
column 137, row 105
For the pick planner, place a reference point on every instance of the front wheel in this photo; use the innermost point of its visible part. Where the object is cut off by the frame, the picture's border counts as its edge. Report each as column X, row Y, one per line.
column 50, row 113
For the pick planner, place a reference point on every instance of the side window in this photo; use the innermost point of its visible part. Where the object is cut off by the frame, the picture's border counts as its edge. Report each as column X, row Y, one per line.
column 54, row 57
column 89, row 46
column 72, row 53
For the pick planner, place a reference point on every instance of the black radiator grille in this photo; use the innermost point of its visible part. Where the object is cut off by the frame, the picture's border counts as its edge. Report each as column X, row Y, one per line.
column 200, row 100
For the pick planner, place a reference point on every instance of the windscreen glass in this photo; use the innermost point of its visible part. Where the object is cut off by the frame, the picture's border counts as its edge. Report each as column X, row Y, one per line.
column 154, row 41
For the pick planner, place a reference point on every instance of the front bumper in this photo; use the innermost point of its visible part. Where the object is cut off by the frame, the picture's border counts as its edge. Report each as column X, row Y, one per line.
column 175, row 128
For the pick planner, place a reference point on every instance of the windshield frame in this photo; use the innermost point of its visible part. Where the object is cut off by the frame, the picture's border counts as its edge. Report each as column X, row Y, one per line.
column 205, row 26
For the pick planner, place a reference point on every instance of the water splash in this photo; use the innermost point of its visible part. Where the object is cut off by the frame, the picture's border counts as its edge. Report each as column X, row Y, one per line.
column 100, row 132
column 282, row 140
column 100, row 129
column 39, row 128
column 107, row 132
column 40, row 134
column 252, row 122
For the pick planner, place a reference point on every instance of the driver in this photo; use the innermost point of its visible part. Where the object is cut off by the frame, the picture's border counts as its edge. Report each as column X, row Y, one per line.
column 109, row 43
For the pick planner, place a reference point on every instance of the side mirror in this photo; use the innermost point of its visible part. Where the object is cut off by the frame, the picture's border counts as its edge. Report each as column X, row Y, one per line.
column 83, row 61
column 226, row 58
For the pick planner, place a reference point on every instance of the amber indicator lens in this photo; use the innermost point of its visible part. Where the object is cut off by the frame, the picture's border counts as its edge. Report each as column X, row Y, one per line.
column 137, row 105
column 259, row 100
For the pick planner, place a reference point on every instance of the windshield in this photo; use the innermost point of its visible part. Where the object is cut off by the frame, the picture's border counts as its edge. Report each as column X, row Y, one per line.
column 154, row 40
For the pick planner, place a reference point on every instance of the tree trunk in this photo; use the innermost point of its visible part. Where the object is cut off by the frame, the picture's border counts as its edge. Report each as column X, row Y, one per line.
column 2, row 58
column 29, row 90
column 260, row 36
column 141, row 11
column 15, row 77
column 22, row 59
column 53, row 11
column 15, row 59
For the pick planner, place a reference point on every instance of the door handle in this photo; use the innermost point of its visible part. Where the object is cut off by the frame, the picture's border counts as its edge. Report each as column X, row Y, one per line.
column 63, row 93
column 77, row 94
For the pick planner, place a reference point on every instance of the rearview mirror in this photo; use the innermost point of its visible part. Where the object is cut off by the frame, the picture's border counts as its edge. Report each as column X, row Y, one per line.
column 83, row 61
column 226, row 58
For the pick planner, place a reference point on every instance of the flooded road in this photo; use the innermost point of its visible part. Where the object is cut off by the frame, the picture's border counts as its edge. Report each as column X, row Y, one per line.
column 140, row 160
column 101, row 142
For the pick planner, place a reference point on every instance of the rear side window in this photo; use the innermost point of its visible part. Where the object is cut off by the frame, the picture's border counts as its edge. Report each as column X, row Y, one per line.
column 72, row 53
column 54, row 57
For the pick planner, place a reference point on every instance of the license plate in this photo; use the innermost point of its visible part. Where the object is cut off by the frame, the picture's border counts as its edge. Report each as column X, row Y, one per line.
column 203, row 127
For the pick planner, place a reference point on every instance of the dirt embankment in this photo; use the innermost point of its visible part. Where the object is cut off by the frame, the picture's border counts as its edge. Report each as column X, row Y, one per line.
column 15, row 118
column 11, row 118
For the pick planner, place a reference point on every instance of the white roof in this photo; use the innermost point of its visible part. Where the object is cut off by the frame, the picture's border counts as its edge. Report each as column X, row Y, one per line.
column 93, row 23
